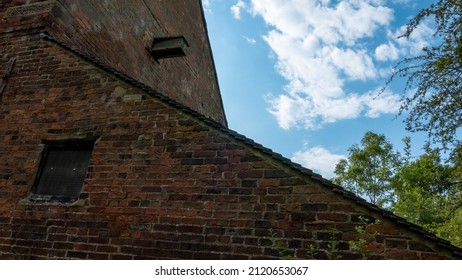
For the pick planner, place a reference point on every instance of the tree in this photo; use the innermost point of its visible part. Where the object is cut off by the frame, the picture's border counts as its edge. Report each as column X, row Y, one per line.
column 426, row 190
column 433, row 91
column 421, row 189
column 451, row 229
column 369, row 169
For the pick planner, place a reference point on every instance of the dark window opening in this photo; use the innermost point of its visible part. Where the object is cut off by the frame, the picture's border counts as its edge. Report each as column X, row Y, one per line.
column 62, row 172
column 168, row 47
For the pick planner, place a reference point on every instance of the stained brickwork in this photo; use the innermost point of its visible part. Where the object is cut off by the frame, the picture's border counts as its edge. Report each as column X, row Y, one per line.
column 117, row 33
column 24, row 15
column 163, row 182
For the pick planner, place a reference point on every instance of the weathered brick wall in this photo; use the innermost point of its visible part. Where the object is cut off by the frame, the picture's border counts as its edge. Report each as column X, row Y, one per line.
column 117, row 32
column 16, row 16
column 162, row 183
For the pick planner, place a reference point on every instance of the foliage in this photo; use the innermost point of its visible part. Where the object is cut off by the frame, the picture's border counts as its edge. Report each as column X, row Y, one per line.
column 428, row 193
column 333, row 253
column 360, row 246
column 425, row 190
column 311, row 255
column 452, row 228
column 369, row 169
column 280, row 246
column 421, row 187
column 432, row 93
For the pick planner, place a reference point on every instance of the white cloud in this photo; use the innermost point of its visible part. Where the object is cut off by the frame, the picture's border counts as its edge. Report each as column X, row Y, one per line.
column 387, row 102
column 236, row 9
column 319, row 49
column 402, row 1
column 290, row 110
column 311, row 112
column 251, row 41
column 397, row 46
column 386, row 52
column 419, row 38
column 355, row 64
column 319, row 159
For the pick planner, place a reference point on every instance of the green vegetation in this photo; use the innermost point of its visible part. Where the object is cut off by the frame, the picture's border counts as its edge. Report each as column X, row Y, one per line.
column 369, row 169
column 359, row 246
column 425, row 190
column 432, row 94
column 280, row 246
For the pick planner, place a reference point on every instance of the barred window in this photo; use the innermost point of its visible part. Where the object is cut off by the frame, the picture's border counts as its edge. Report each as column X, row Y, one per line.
column 62, row 171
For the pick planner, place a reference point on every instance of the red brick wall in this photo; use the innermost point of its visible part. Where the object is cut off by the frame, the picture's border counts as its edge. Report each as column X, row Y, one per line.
column 161, row 183
column 117, row 32
column 21, row 15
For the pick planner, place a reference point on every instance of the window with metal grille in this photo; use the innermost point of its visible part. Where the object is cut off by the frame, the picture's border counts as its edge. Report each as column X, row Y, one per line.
column 62, row 171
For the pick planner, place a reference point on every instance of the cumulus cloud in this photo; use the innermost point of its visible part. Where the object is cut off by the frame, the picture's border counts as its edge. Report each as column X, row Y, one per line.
column 386, row 102
column 386, row 52
column 311, row 112
column 318, row 158
column 236, row 9
column 398, row 46
column 320, row 48
column 417, row 41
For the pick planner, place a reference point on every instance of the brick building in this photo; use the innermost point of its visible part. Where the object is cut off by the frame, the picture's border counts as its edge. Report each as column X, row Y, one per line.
column 114, row 145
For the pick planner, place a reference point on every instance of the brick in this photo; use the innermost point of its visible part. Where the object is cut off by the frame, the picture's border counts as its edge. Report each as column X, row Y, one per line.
column 291, row 182
column 192, row 161
column 120, row 257
column 305, row 217
column 383, row 229
column 306, row 189
column 432, row 256
column 250, row 158
column 325, row 198
column 341, row 208
column 215, row 161
column 240, row 191
column 262, row 224
column 250, row 174
column 248, row 250
column 417, row 246
column 401, row 255
column 63, row 246
column 299, row 198
column 334, row 217
column 270, row 174
column 396, row 243
column 97, row 256
column 314, row 207
column 295, row 244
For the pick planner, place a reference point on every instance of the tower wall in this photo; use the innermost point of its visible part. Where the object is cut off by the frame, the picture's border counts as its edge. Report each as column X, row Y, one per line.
column 116, row 33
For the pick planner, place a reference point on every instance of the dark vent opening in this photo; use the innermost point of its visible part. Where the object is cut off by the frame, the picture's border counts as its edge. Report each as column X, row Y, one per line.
column 168, row 47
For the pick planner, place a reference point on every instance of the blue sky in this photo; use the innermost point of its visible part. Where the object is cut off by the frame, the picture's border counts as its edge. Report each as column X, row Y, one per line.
column 301, row 76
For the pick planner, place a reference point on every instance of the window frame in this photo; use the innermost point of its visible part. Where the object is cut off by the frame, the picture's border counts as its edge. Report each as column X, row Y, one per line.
column 83, row 145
